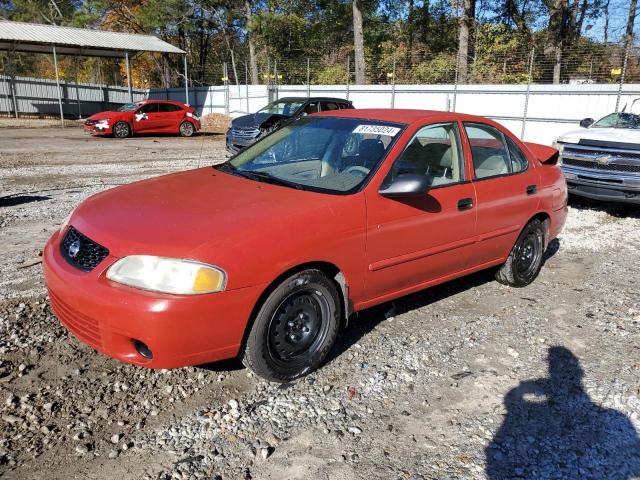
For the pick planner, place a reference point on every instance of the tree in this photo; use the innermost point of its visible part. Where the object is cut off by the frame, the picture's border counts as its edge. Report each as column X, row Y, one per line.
column 253, row 64
column 467, row 20
column 358, row 43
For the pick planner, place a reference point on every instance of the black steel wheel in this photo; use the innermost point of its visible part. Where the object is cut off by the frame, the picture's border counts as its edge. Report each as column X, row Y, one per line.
column 525, row 260
column 294, row 328
column 186, row 129
column 121, row 130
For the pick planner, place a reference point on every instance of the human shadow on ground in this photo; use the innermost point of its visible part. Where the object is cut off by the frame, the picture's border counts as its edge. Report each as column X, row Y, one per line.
column 552, row 429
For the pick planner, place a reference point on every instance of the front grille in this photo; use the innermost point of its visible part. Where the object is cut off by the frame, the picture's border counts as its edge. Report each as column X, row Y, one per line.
column 245, row 132
column 80, row 251
column 611, row 167
column 83, row 327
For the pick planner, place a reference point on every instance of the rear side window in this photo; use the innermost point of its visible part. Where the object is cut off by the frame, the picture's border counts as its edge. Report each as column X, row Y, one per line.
column 311, row 108
column 519, row 161
column 325, row 106
column 489, row 151
column 168, row 107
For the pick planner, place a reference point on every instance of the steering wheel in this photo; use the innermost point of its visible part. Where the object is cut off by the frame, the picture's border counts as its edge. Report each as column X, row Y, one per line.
column 357, row 170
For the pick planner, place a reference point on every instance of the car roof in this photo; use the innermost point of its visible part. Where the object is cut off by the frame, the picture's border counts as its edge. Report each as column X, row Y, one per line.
column 400, row 115
column 297, row 99
column 151, row 100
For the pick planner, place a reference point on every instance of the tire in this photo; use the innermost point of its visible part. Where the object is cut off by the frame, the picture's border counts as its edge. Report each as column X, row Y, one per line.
column 294, row 328
column 525, row 260
column 121, row 130
column 187, row 129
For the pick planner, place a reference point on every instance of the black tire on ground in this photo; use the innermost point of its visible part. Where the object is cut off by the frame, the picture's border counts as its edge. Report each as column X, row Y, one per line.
column 294, row 328
column 525, row 260
column 186, row 129
column 121, row 130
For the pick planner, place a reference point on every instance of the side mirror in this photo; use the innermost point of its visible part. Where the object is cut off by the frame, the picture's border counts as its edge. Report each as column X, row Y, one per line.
column 586, row 122
column 407, row 185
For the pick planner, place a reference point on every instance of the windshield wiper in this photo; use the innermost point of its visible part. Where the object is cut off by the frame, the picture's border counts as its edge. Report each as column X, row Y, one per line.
column 258, row 176
column 268, row 178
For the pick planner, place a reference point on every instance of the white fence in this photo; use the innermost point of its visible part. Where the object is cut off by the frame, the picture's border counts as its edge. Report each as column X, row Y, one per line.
column 538, row 113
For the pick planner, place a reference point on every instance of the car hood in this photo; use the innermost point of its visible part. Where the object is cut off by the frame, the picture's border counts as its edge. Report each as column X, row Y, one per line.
column 256, row 120
column 616, row 135
column 105, row 115
column 210, row 216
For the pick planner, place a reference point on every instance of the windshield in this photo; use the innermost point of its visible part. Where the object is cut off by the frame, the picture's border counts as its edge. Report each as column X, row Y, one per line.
column 283, row 107
column 619, row 120
column 128, row 107
column 329, row 154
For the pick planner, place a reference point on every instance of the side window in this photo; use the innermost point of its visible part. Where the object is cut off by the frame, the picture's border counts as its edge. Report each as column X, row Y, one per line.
column 489, row 152
column 149, row 108
column 167, row 107
column 433, row 151
column 324, row 106
column 345, row 106
column 310, row 108
column 519, row 161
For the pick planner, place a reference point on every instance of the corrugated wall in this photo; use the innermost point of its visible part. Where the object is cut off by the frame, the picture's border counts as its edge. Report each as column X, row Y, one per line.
column 38, row 96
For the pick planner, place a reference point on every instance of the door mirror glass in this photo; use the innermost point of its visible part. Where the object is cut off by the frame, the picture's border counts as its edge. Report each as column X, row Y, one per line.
column 407, row 185
column 586, row 122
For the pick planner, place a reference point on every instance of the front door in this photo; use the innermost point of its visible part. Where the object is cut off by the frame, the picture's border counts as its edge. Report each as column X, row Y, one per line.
column 146, row 118
column 412, row 241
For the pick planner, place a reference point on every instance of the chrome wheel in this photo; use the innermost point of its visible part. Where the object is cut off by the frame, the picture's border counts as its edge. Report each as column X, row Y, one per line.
column 121, row 130
column 186, row 129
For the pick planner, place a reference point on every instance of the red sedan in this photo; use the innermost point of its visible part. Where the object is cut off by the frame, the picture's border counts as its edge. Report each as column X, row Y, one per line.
column 264, row 256
column 147, row 116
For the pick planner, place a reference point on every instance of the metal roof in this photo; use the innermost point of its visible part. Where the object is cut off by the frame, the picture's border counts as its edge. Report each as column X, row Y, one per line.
column 34, row 37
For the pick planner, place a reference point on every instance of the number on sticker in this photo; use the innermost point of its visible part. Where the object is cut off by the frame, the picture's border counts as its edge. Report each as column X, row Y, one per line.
column 377, row 130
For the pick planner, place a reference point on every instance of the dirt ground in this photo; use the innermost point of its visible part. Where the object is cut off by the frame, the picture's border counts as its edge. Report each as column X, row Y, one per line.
column 468, row 380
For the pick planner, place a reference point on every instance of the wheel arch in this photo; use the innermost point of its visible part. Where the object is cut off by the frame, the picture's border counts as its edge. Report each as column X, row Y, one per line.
column 332, row 272
column 545, row 218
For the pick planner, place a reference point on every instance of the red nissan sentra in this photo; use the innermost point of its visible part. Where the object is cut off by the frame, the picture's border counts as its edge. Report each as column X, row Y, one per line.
column 146, row 116
column 264, row 256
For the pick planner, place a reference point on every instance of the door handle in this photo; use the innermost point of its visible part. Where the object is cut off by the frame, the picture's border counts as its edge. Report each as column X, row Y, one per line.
column 465, row 204
column 531, row 189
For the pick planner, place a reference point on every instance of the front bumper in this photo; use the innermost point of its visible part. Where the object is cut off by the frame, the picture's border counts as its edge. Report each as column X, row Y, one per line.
column 94, row 130
column 179, row 330
column 236, row 144
column 605, row 186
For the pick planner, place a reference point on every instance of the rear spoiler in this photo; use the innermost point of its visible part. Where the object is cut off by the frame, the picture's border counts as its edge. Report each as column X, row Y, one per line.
column 543, row 153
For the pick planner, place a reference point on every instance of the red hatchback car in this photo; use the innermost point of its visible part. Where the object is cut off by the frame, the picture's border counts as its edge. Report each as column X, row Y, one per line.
column 146, row 116
column 264, row 256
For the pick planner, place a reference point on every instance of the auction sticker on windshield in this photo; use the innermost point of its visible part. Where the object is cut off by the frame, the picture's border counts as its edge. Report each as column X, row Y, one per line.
column 377, row 130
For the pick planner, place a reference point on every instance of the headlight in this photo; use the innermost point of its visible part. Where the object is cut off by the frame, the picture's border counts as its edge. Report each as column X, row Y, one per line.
column 104, row 124
column 167, row 275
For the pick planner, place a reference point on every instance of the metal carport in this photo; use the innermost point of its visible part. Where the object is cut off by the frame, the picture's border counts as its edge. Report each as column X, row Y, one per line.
column 39, row 38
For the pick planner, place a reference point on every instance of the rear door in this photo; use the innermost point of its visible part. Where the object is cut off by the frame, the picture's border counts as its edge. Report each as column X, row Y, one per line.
column 415, row 240
column 506, row 185
column 169, row 117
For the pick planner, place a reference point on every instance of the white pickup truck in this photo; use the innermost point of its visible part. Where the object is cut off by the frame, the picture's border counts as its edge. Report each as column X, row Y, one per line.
column 601, row 160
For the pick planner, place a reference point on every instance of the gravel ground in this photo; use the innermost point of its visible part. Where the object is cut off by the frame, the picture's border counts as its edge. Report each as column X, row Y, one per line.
column 468, row 380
